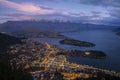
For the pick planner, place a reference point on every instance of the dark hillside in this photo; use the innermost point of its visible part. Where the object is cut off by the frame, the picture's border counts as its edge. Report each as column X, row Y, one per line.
column 7, row 40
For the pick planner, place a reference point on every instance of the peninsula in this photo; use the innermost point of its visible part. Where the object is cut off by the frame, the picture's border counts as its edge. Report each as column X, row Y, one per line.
column 88, row 53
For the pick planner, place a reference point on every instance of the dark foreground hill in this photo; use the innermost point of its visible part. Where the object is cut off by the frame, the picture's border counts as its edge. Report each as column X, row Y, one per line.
column 7, row 40
column 11, row 72
column 8, row 71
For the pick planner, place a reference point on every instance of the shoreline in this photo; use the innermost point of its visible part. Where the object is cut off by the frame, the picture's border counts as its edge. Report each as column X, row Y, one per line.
column 114, row 68
column 45, row 55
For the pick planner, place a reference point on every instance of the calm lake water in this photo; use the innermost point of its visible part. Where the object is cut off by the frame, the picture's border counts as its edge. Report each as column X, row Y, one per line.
column 105, row 40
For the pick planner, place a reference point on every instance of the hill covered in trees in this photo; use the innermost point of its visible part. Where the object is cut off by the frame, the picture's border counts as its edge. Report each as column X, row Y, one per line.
column 10, row 72
column 7, row 40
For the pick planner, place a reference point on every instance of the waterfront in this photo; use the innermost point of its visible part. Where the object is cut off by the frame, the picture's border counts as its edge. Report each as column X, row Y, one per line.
column 50, row 62
column 105, row 40
column 42, row 61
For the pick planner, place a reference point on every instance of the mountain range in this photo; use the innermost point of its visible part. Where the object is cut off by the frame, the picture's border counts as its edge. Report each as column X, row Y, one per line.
column 11, row 26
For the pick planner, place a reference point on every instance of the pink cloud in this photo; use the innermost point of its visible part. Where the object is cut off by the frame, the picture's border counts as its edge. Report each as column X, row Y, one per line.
column 15, row 16
column 26, row 7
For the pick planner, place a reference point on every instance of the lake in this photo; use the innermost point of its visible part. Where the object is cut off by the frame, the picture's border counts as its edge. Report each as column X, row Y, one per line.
column 105, row 40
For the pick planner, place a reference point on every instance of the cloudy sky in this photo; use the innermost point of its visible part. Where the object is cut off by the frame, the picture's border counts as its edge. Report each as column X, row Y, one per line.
column 87, row 11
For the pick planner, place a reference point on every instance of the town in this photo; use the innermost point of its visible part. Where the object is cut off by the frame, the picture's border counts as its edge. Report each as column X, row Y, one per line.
column 46, row 61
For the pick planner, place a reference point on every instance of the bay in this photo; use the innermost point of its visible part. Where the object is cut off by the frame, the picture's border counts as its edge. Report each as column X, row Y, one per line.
column 105, row 40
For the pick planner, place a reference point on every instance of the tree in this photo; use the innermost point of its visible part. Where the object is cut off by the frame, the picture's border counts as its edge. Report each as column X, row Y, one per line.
column 8, row 73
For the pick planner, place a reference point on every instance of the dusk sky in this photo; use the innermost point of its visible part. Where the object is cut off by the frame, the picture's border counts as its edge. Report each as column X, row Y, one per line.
column 87, row 11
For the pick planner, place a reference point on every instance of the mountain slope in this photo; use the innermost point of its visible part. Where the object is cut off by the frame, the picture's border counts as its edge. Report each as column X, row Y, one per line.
column 50, row 25
column 6, row 40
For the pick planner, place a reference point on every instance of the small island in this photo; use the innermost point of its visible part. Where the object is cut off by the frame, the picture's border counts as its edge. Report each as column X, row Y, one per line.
column 88, row 53
column 69, row 41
